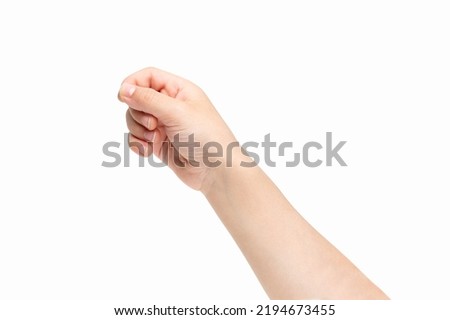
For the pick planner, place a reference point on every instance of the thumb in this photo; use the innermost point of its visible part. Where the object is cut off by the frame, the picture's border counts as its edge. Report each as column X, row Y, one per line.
column 148, row 100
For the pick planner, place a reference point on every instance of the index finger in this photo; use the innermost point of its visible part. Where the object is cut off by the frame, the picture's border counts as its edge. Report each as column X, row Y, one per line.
column 158, row 80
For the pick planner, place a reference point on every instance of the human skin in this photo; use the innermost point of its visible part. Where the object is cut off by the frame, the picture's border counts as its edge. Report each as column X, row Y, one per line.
column 289, row 257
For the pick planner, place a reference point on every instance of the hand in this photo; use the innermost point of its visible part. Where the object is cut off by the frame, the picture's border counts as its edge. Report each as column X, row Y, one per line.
column 289, row 257
column 165, row 109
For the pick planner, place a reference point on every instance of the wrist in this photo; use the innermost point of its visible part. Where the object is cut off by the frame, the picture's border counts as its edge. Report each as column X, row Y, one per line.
column 233, row 163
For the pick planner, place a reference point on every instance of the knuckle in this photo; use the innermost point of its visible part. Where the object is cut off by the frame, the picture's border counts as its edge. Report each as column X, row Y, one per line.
column 131, row 123
column 127, row 116
column 150, row 69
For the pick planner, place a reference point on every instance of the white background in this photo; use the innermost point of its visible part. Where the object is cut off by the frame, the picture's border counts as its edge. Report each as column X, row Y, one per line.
column 375, row 73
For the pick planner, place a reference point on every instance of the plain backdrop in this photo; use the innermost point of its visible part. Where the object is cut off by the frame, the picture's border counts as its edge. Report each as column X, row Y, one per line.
column 376, row 74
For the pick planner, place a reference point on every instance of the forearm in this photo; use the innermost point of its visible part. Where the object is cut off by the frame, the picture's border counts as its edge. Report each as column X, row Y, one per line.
column 290, row 258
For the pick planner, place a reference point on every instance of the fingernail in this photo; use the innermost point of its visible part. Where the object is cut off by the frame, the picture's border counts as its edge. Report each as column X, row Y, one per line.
column 128, row 89
column 147, row 121
column 149, row 136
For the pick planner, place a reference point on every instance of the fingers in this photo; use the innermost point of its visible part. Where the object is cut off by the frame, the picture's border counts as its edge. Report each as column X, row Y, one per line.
column 142, row 148
column 138, row 130
column 158, row 80
column 149, row 101
column 157, row 92
column 146, row 120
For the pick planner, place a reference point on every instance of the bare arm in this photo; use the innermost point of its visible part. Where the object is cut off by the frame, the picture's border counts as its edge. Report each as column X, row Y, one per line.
column 290, row 258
